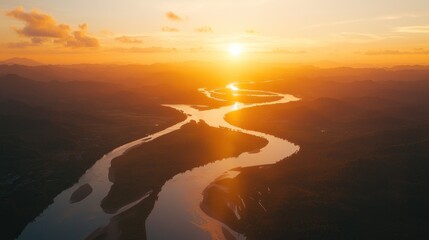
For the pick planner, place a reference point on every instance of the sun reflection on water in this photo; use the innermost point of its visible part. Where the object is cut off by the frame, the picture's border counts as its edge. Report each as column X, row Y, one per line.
column 236, row 106
column 232, row 87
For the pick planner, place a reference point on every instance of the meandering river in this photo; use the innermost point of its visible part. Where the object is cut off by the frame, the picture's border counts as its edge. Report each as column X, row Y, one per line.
column 177, row 213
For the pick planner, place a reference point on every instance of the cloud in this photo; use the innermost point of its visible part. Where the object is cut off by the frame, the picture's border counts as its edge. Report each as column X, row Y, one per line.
column 107, row 33
column 127, row 39
column 38, row 40
column 250, row 31
column 80, row 38
column 144, row 50
column 419, row 51
column 204, row 29
column 22, row 44
column 365, row 20
column 40, row 28
column 173, row 17
column 285, row 51
column 38, row 24
column 169, row 29
column 360, row 36
column 397, row 16
column 279, row 51
column 413, row 29
column 353, row 37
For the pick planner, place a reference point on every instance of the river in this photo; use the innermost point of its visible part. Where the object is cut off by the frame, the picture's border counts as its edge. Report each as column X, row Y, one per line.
column 177, row 213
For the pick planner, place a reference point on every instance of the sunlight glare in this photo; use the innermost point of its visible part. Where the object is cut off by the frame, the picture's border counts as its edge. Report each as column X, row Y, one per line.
column 232, row 87
column 235, row 49
column 236, row 106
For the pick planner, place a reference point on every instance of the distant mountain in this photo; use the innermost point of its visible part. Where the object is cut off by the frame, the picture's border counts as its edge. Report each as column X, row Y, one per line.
column 20, row 61
column 411, row 67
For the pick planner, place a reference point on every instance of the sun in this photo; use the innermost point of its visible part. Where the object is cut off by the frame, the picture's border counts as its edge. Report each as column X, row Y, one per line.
column 235, row 49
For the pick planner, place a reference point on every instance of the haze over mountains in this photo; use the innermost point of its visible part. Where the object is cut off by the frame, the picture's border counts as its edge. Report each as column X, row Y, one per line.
column 20, row 61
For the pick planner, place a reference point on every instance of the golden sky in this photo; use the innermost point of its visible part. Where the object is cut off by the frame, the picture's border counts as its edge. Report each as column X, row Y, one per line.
column 383, row 32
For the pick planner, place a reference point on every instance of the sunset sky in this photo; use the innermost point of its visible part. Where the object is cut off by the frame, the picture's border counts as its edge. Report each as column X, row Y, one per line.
column 383, row 32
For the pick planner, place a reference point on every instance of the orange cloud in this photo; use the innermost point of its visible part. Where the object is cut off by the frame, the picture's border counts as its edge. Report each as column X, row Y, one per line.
column 107, row 33
column 280, row 51
column 40, row 28
column 20, row 44
column 126, row 39
column 413, row 29
column 38, row 24
column 173, row 17
column 285, row 51
column 204, row 29
column 81, row 39
column 169, row 29
column 250, row 31
column 144, row 50
column 397, row 52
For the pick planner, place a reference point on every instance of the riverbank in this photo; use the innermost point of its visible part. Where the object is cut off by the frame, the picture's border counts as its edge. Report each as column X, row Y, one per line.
column 360, row 172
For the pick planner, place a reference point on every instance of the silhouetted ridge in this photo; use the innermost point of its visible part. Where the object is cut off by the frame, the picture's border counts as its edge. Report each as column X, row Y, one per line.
column 20, row 61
